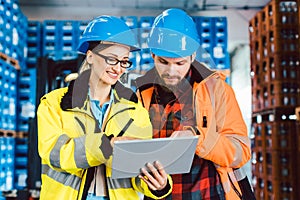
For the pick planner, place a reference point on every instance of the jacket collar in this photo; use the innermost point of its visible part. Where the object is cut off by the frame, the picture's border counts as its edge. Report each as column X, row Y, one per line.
column 77, row 94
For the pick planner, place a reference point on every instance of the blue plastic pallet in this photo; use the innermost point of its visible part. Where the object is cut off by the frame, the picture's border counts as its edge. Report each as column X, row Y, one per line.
column 26, row 104
column 82, row 26
column 8, row 96
column 7, row 146
column 213, row 39
column 21, row 146
column 69, row 35
column 34, row 36
column 222, row 63
column 20, row 178
column 131, row 21
column 146, row 64
column 146, row 21
column 50, row 36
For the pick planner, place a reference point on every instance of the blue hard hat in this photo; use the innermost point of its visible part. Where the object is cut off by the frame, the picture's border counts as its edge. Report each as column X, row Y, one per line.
column 173, row 34
column 107, row 28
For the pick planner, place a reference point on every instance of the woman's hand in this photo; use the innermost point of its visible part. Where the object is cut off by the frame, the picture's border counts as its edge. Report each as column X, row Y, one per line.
column 113, row 139
column 155, row 176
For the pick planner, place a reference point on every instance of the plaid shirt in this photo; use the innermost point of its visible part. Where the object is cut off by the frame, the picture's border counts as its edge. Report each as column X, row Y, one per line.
column 170, row 111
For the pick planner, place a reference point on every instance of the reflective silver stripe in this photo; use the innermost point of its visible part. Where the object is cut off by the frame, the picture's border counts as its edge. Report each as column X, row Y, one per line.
column 80, row 154
column 240, row 174
column 62, row 177
column 210, row 84
column 238, row 141
column 124, row 183
column 55, row 153
column 238, row 153
column 139, row 184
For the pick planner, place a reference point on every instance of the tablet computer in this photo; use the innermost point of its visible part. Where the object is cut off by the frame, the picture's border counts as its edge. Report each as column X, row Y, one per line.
column 175, row 154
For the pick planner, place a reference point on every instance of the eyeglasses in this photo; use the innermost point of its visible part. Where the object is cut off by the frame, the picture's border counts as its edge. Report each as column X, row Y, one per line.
column 113, row 61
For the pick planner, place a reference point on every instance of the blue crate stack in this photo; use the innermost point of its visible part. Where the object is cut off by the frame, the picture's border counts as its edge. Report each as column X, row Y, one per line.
column 8, row 93
column 13, row 24
column 132, row 22
column 60, row 38
column 145, row 60
column 220, row 52
column 13, row 60
column 214, row 43
column 34, row 38
column 7, row 156
column 213, row 39
column 50, row 36
column 26, row 106
column 21, row 163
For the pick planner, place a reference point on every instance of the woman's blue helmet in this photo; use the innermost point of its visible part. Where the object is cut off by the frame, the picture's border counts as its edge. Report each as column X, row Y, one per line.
column 107, row 28
column 173, row 34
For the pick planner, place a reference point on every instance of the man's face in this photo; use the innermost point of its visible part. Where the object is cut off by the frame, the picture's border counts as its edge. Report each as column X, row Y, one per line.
column 172, row 70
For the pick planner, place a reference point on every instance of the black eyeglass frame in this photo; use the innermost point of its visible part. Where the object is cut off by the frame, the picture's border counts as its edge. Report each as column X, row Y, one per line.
column 113, row 61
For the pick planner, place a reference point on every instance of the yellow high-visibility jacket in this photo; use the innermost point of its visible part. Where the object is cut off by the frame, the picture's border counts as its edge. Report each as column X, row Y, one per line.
column 70, row 143
column 223, row 135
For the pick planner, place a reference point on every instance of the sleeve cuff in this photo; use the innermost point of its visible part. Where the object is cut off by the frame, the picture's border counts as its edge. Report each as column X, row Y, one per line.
column 160, row 193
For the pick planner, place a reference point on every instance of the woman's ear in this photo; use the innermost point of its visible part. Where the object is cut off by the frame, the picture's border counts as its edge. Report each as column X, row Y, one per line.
column 89, row 56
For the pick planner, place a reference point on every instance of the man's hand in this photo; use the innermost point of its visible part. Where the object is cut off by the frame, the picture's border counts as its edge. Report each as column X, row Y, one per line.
column 185, row 133
column 155, row 177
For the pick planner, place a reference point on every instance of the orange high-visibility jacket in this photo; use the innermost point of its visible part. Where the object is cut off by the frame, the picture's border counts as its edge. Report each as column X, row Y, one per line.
column 223, row 133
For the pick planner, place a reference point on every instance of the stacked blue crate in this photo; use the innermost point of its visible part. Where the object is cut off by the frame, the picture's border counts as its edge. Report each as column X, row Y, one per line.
column 13, row 25
column 7, row 159
column 60, row 38
column 145, row 61
column 220, row 52
column 8, row 95
column 70, row 37
column 213, row 40
column 26, row 98
column 132, row 22
column 21, row 163
column 82, row 26
column 50, row 36
column 206, row 34
column 34, row 43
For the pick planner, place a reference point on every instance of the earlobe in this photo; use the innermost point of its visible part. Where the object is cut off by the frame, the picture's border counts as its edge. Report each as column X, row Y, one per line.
column 89, row 56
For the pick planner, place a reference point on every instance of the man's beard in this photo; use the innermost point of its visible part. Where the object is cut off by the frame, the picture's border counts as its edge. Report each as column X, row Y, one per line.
column 169, row 87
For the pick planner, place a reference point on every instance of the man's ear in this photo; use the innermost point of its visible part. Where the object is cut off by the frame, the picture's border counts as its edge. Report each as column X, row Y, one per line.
column 193, row 56
column 153, row 55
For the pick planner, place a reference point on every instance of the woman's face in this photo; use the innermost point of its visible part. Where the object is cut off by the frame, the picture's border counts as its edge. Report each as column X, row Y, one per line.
column 106, row 73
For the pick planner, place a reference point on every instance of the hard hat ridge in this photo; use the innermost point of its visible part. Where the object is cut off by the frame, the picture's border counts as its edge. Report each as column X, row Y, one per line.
column 107, row 28
column 173, row 34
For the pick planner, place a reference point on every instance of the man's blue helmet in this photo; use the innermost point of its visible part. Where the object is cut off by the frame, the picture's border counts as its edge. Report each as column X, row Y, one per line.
column 173, row 34
column 107, row 28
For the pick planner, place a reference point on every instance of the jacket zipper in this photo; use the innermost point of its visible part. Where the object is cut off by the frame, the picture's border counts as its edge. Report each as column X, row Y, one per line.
column 120, row 111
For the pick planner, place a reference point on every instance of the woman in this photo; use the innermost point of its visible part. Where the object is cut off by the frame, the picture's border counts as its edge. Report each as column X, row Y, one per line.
column 78, row 125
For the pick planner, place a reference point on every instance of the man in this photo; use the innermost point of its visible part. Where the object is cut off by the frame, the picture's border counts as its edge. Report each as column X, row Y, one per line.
column 185, row 98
